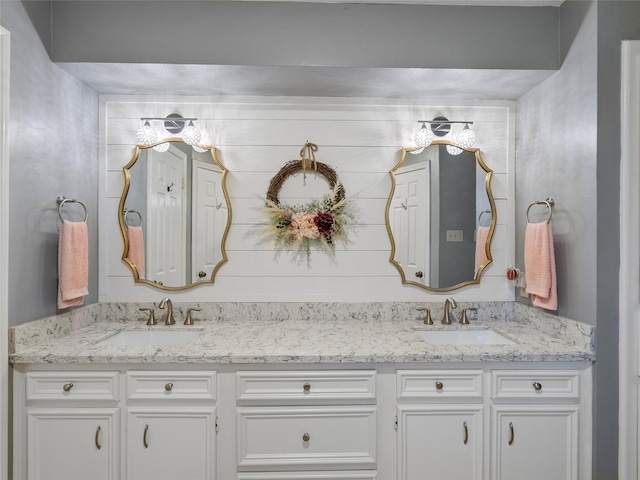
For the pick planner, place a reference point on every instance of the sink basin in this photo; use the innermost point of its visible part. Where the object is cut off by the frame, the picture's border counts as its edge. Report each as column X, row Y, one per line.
column 463, row 337
column 151, row 337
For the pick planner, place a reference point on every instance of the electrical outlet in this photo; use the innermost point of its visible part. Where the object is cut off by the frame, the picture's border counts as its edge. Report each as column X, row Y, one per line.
column 454, row 236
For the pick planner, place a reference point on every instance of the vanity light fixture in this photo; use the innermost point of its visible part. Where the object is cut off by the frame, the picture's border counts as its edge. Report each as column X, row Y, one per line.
column 440, row 127
column 174, row 124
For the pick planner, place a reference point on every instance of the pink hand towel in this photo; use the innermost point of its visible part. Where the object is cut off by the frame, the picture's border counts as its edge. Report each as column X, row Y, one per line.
column 540, row 265
column 136, row 248
column 482, row 234
column 73, row 264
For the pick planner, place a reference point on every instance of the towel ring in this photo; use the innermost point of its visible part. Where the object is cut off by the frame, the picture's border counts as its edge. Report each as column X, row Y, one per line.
column 62, row 200
column 548, row 202
column 127, row 212
column 482, row 213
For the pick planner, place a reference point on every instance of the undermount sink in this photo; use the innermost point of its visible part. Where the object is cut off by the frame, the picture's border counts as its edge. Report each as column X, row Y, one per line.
column 151, row 337
column 463, row 337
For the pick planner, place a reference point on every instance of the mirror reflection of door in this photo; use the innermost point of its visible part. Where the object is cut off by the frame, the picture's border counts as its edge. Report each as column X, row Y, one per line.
column 208, row 220
column 166, row 216
column 410, row 220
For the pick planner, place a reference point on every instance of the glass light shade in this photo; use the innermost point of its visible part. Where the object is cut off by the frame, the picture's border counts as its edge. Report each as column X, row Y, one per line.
column 198, row 149
column 453, row 150
column 162, row 147
column 191, row 135
column 466, row 137
column 146, row 134
column 423, row 137
column 416, row 152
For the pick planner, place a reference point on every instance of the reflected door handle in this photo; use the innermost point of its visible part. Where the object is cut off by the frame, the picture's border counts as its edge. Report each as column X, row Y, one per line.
column 419, row 274
column 202, row 274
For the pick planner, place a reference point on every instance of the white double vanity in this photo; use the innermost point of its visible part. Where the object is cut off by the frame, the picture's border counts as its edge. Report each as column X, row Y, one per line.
column 269, row 392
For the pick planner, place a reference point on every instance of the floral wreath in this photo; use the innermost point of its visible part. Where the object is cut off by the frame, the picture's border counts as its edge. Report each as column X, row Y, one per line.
column 320, row 223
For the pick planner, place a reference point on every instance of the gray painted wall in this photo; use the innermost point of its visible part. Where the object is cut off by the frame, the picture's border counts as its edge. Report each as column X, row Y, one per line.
column 568, row 147
column 53, row 138
column 556, row 152
column 298, row 34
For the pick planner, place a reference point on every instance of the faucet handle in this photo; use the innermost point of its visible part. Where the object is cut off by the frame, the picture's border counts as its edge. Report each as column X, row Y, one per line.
column 464, row 320
column 427, row 319
column 152, row 317
column 189, row 319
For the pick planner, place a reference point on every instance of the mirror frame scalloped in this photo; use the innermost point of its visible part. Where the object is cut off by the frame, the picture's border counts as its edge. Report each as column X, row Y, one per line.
column 478, row 275
column 123, row 225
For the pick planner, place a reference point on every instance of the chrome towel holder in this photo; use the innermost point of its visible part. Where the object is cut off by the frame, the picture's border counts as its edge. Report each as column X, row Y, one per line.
column 62, row 200
column 127, row 212
column 482, row 213
column 549, row 202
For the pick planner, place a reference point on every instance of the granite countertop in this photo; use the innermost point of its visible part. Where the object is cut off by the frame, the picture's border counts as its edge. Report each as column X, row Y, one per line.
column 288, row 339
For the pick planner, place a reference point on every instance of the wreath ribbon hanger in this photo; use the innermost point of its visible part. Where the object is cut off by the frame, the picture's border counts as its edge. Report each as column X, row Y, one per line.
column 308, row 158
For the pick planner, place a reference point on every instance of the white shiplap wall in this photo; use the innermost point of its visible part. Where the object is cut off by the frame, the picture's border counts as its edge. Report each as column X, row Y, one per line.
column 360, row 138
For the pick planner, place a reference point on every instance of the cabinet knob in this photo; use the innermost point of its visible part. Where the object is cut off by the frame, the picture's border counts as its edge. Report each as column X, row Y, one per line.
column 439, row 385
column 306, row 437
column 306, row 387
column 67, row 387
column 537, row 386
column 168, row 387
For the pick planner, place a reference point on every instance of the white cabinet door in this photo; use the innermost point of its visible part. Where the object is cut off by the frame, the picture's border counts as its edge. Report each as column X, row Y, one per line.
column 171, row 443
column 442, row 442
column 72, row 444
column 533, row 442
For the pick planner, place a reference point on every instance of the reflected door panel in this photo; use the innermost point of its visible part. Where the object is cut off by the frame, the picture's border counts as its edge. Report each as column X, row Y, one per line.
column 207, row 183
column 166, row 217
column 410, row 207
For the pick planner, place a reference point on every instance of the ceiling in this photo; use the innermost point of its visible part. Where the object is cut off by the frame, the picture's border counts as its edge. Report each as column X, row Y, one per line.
column 318, row 81
column 212, row 80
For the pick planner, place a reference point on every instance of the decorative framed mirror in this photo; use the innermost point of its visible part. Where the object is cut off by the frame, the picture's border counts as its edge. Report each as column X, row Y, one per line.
column 174, row 214
column 441, row 216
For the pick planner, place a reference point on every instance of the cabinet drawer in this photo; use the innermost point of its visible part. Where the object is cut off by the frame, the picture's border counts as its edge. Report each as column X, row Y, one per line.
column 273, row 438
column 561, row 384
column 306, row 387
column 438, row 384
column 327, row 475
column 175, row 385
column 70, row 386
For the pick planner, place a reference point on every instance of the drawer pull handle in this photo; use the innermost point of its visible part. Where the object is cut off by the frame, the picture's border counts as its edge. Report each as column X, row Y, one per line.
column 67, row 387
column 466, row 432
column 306, row 437
column 439, row 385
column 537, row 386
column 306, row 387
column 513, row 435
column 98, row 446
column 168, row 387
column 144, row 437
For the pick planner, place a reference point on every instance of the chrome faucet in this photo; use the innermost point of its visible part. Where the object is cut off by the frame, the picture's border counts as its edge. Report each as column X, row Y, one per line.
column 449, row 304
column 169, row 320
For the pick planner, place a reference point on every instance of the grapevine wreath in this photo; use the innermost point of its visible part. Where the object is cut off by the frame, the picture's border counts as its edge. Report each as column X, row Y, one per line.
column 318, row 224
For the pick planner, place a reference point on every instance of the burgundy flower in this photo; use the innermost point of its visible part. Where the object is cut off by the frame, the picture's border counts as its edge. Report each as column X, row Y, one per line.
column 324, row 222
